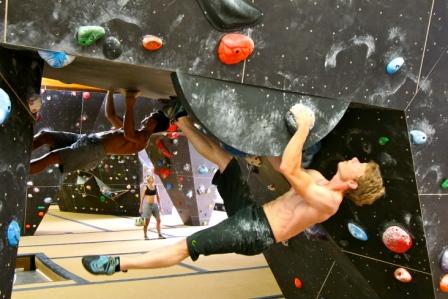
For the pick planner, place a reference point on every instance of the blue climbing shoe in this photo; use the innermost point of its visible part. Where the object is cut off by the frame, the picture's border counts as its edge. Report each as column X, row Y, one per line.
column 101, row 264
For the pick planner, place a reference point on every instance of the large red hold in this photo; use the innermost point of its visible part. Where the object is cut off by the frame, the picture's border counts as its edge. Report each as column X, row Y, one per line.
column 163, row 173
column 162, row 148
column 234, row 48
column 397, row 239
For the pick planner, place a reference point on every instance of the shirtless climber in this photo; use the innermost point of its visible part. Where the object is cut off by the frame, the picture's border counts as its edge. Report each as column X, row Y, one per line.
column 251, row 228
column 83, row 151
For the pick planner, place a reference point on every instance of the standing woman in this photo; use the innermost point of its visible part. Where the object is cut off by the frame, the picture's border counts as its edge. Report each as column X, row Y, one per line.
column 149, row 205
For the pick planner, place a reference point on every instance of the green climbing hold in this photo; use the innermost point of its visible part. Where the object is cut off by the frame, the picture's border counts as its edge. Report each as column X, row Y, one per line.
column 445, row 184
column 103, row 198
column 88, row 35
column 383, row 140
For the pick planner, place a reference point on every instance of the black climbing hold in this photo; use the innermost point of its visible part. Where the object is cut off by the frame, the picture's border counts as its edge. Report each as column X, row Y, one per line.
column 230, row 15
column 112, row 48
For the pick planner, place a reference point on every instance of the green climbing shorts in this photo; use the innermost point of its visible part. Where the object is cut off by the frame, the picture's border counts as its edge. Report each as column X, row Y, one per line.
column 246, row 231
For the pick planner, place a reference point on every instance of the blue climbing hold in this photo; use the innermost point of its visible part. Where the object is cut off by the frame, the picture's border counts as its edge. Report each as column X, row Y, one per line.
column 5, row 106
column 395, row 65
column 203, row 169
column 13, row 234
column 56, row 59
column 234, row 152
column 418, row 137
column 357, row 232
column 169, row 186
column 444, row 260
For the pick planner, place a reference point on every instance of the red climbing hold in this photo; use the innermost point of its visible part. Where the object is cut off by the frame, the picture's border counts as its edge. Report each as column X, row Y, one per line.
column 152, row 43
column 162, row 148
column 163, row 173
column 234, row 48
column 172, row 128
column 396, row 239
column 298, row 283
column 172, row 135
column 443, row 285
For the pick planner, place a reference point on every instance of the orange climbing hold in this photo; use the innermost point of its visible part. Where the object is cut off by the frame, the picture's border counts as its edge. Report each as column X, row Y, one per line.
column 443, row 285
column 152, row 43
column 234, row 48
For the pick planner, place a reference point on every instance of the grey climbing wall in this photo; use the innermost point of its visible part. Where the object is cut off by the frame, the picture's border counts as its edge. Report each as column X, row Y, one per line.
column 242, row 116
column 428, row 112
column 20, row 78
column 185, row 175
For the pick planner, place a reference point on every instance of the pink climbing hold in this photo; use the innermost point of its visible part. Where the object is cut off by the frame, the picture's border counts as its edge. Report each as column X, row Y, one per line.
column 396, row 239
column 402, row 275
column 85, row 96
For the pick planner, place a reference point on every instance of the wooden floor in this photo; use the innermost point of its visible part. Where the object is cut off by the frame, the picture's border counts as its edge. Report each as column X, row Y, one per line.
column 66, row 237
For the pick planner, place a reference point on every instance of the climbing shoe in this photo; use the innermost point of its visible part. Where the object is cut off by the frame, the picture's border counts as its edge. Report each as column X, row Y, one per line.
column 101, row 264
column 174, row 110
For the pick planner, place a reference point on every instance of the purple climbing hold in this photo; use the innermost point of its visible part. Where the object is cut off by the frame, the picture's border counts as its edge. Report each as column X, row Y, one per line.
column 444, row 260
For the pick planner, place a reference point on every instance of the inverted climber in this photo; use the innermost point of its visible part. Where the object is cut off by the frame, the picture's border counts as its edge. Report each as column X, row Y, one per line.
column 83, row 151
column 251, row 228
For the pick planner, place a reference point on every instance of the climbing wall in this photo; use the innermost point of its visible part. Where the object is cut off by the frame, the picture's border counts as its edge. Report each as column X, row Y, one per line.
column 111, row 187
column 186, row 176
column 428, row 113
column 20, row 78
column 349, row 39
column 327, row 261
column 388, row 54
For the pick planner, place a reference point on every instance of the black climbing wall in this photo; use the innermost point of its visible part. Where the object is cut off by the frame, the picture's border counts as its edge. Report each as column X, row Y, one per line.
column 329, row 261
column 185, row 175
column 20, row 78
column 309, row 43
